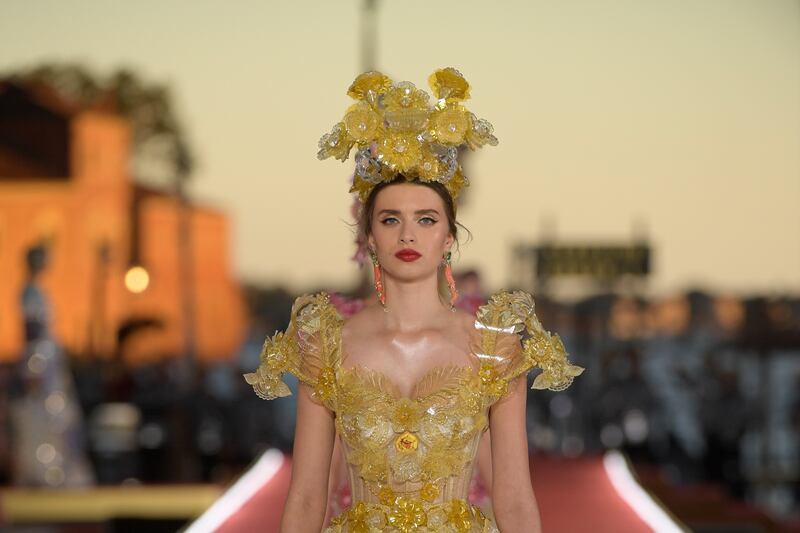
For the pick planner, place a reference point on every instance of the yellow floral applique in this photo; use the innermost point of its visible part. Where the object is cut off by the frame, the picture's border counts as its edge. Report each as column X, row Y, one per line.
column 406, row 442
column 386, row 496
column 407, row 515
column 326, row 384
column 548, row 353
column 491, row 381
column 460, row 516
column 429, row 492
column 406, row 415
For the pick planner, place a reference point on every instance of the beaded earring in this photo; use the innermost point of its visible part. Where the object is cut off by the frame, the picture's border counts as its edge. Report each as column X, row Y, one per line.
column 376, row 270
column 451, row 282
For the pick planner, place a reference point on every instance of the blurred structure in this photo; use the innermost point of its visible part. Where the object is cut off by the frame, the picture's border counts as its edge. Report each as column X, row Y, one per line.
column 47, row 425
column 116, row 272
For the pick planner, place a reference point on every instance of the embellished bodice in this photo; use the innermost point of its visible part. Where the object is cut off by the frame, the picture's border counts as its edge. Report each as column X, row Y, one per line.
column 410, row 459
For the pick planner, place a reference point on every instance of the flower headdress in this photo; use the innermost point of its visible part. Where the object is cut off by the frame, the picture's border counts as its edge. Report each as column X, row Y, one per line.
column 397, row 132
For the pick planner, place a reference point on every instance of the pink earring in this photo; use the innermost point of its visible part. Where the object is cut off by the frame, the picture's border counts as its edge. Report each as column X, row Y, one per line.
column 376, row 270
column 451, row 282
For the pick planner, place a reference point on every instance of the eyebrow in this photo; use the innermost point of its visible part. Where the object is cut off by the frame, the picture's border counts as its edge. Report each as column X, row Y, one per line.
column 417, row 212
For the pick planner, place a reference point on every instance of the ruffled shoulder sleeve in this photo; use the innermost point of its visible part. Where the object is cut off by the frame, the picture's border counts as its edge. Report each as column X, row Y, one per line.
column 504, row 355
column 309, row 349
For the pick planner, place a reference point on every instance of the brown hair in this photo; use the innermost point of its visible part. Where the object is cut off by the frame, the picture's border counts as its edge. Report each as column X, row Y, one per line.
column 365, row 214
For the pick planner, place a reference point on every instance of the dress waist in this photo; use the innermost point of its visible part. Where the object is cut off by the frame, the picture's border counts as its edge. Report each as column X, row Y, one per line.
column 408, row 514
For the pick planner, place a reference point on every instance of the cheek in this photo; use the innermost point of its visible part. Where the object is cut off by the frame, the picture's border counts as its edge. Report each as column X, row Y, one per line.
column 382, row 235
column 438, row 235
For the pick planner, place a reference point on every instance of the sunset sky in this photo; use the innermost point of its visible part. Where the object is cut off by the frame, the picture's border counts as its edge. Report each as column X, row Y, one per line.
column 679, row 120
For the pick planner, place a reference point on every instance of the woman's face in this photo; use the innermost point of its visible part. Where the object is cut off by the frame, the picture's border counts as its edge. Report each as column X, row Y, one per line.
column 406, row 217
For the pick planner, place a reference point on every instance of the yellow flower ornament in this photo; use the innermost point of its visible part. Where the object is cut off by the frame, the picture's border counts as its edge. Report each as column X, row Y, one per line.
column 397, row 132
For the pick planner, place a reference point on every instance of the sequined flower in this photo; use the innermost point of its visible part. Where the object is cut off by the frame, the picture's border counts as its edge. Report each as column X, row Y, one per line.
column 491, row 381
column 435, row 430
column 374, row 428
column 371, row 462
column 437, row 520
column 372, row 81
column 450, row 125
column 406, row 467
column 442, row 463
column 487, row 373
column 449, row 83
column 406, row 442
column 386, row 496
column 362, row 122
column 456, row 183
column 266, row 380
column 361, row 187
column 429, row 492
column 405, row 95
column 407, row 131
column 407, row 515
column 267, row 386
column 336, row 144
column 429, row 166
column 550, row 355
column 406, row 415
column 358, row 518
column 326, row 384
column 402, row 152
column 459, row 515
column 481, row 133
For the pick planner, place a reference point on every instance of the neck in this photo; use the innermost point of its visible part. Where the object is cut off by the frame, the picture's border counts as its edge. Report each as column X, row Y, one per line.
column 412, row 305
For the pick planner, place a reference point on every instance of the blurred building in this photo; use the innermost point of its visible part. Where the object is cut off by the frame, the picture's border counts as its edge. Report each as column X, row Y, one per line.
column 65, row 181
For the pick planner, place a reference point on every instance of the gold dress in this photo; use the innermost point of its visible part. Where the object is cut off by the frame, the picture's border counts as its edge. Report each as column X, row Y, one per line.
column 410, row 460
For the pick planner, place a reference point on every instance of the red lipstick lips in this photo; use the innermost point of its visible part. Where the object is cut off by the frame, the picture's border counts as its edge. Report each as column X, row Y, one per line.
column 408, row 255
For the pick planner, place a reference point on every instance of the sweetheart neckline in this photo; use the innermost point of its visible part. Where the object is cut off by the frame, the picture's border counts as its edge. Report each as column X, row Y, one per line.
column 396, row 394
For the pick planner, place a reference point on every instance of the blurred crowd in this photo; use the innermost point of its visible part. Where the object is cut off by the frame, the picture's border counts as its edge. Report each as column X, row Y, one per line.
column 704, row 385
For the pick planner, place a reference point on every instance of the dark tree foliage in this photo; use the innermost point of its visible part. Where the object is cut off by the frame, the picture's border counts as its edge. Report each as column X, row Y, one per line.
column 161, row 154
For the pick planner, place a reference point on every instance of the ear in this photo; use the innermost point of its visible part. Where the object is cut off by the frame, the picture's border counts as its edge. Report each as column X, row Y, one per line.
column 371, row 242
column 448, row 242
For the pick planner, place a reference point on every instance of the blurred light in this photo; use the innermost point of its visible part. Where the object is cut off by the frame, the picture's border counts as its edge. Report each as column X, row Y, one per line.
column 611, row 436
column 543, row 438
column 54, row 476
column 55, row 403
column 209, row 441
column 151, row 436
column 45, row 453
column 36, row 363
column 114, row 427
column 635, row 426
column 137, row 279
column 561, row 406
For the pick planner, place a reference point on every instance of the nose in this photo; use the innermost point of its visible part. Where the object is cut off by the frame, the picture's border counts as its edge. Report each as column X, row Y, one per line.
column 406, row 236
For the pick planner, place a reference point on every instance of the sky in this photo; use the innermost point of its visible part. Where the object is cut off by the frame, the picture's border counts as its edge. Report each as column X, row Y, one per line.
column 677, row 120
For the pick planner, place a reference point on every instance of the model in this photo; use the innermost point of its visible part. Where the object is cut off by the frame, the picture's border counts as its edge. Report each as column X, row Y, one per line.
column 410, row 383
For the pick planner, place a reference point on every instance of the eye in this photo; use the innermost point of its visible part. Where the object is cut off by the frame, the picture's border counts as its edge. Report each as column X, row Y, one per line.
column 388, row 220
column 428, row 221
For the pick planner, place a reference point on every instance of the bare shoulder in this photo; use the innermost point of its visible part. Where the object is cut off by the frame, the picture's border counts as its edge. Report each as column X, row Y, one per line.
column 362, row 322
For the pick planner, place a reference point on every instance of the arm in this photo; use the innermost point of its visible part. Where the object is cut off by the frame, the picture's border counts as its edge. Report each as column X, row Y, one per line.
column 513, row 501
column 336, row 482
column 485, row 461
column 311, row 458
